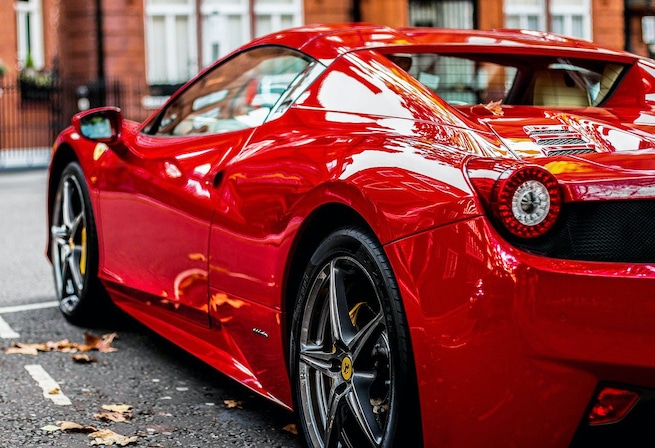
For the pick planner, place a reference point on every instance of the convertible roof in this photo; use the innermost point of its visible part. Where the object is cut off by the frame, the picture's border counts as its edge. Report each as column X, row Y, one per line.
column 327, row 42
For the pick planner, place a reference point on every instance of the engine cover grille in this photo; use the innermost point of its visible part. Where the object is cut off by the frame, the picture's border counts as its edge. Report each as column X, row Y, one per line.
column 559, row 140
column 611, row 231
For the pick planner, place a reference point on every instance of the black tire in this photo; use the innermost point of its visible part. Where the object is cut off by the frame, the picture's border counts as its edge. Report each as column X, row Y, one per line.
column 351, row 364
column 74, row 251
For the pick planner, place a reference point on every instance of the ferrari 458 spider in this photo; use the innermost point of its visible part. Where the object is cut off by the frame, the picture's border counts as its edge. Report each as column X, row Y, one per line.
column 408, row 236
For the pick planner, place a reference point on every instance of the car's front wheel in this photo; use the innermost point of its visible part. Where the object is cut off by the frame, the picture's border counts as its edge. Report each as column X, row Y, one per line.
column 74, row 249
column 350, row 356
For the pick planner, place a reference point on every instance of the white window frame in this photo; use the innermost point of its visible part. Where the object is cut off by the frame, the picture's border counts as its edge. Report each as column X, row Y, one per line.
column 277, row 10
column 567, row 11
column 35, row 45
column 170, row 13
column 215, row 15
column 523, row 11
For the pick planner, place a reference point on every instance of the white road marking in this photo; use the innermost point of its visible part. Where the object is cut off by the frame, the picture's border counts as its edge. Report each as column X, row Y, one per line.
column 28, row 307
column 50, row 387
column 6, row 331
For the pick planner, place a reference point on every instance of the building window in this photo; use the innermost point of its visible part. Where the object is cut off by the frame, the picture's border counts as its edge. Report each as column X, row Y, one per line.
column 443, row 13
column 29, row 29
column 173, row 40
column 567, row 17
column 228, row 24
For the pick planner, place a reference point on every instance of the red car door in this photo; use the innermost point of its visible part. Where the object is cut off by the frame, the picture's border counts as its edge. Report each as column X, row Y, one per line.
column 155, row 208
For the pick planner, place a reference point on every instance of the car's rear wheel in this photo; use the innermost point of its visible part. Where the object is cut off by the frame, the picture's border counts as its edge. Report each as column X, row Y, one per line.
column 74, row 249
column 350, row 357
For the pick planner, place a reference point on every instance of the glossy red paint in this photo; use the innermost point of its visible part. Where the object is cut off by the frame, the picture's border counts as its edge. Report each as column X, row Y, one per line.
column 202, row 237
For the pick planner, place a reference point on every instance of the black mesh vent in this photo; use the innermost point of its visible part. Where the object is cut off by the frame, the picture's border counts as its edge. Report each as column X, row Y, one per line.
column 568, row 152
column 555, row 131
column 613, row 231
column 560, row 141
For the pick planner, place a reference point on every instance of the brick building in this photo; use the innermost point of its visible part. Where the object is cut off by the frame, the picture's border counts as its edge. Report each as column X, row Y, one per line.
column 133, row 52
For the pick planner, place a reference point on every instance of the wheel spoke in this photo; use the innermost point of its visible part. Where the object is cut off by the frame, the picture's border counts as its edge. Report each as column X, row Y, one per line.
column 367, row 336
column 74, row 266
column 66, row 204
column 339, row 313
column 75, row 223
column 64, row 268
column 332, row 423
column 317, row 358
column 359, row 403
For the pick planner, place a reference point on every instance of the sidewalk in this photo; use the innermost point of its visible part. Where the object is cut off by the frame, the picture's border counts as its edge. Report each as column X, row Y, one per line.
column 23, row 159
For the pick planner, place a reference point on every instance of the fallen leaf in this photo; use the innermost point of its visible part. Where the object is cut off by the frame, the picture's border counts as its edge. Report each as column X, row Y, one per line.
column 21, row 351
column 117, row 407
column 26, row 349
column 92, row 342
column 50, row 428
column 84, row 359
column 291, row 427
column 54, row 391
column 62, row 345
column 233, row 404
column 67, row 426
column 103, row 345
column 495, row 107
column 109, row 437
column 117, row 417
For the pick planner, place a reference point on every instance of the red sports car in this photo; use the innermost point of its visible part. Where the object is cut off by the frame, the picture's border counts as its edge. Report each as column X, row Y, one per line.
column 408, row 236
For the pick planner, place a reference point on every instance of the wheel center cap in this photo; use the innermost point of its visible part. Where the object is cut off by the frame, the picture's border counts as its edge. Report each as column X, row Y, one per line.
column 347, row 368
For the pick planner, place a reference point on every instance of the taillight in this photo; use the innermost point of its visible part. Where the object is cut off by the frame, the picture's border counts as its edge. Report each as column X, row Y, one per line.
column 611, row 405
column 525, row 199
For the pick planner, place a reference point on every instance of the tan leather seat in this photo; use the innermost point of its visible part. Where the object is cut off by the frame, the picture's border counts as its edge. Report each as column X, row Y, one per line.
column 557, row 88
column 610, row 74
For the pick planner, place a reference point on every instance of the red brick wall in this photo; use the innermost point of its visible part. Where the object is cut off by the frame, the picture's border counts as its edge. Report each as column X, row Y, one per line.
column 607, row 23
column 490, row 14
column 77, row 39
column 386, row 12
column 124, row 38
column 50, row 25
column 8, row 36
column 327, row 11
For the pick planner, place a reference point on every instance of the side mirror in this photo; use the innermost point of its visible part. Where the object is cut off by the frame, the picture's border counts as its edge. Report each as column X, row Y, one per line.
column 103, row 124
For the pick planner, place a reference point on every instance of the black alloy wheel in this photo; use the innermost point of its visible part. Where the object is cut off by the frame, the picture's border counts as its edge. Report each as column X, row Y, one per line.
column 74, row 249
column 350, row 356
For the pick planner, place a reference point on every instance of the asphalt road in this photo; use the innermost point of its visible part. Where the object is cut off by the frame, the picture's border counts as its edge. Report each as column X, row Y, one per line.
column 174, row 399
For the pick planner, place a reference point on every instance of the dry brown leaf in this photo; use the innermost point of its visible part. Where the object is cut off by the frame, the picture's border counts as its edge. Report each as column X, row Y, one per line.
column 291, row 427
column 66, row 426
column 21, row 351
column 26, row 349
column 109, row 437
column 84, row 359
column 93, row 342
column 495, row 107
column 61, row 346
column 54, row 391
column 113, row 416
column 124, row 408
column 233, row 404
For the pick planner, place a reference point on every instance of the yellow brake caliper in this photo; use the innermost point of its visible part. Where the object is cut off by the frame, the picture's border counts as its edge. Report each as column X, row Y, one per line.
column 83, row 255
column 354, row 312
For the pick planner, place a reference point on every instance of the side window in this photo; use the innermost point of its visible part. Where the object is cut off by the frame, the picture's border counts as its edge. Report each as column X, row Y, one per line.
column 238, row 94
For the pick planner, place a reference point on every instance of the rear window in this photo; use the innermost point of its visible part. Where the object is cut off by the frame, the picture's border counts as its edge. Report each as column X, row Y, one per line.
column 513, row 79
